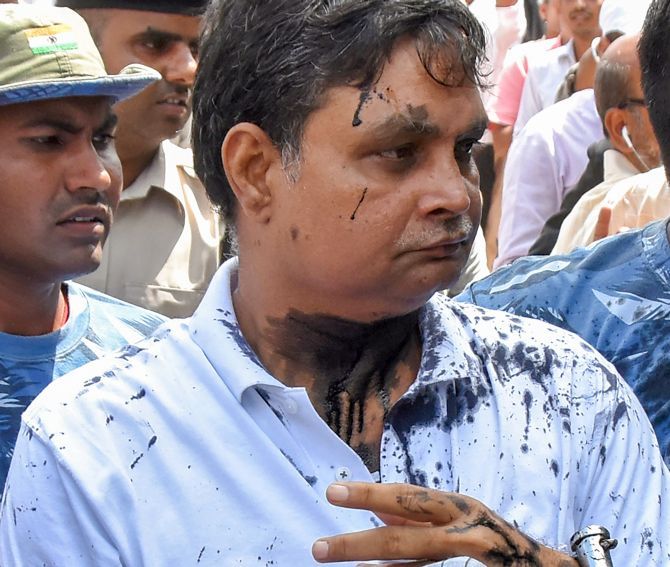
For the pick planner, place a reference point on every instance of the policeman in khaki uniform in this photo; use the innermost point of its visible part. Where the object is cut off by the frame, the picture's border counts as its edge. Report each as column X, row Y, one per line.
column 165, row 245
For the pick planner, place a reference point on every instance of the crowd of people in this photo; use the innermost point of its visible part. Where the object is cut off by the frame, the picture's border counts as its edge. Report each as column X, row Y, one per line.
column 293, row 282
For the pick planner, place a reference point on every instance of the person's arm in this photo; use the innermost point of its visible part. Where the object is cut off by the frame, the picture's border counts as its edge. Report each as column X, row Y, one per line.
column 532, row 184
column 426, row 524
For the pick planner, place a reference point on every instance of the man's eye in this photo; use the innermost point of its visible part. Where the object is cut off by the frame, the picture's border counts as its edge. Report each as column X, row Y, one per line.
column 103, row 140
column 47, row 140
column 156, row 43
column 400, row 153
column 463, row 150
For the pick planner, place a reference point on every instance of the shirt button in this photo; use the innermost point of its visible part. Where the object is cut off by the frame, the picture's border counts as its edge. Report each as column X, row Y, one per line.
column 342, row 473
column 290, row 406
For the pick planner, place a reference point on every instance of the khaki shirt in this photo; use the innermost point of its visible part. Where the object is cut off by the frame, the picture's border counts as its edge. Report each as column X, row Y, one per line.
column 164, row 245
column 578, row 228
column 635, row 202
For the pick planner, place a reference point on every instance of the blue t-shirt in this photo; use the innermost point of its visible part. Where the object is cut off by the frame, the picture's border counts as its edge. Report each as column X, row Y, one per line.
column 615, row 295
column 97, row 324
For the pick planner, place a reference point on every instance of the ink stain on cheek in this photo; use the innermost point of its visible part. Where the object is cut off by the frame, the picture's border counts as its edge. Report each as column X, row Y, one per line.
column 360, row 202
column 366, row 95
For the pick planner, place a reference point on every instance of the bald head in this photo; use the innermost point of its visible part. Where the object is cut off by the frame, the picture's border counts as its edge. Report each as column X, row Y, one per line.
column 618, row 76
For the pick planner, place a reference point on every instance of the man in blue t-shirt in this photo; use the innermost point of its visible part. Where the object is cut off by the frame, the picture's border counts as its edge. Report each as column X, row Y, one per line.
column 60, row 182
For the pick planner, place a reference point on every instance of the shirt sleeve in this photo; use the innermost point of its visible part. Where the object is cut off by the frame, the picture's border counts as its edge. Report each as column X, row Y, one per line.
column 530, row 103
column 505, row 107
column 532, row 190
column 58, row 528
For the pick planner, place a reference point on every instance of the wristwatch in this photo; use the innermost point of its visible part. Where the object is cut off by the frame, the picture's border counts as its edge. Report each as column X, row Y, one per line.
column 592, row 546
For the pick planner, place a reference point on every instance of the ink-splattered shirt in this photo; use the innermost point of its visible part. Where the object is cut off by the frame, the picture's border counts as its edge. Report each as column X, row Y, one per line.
column 182, row 450
column 615, row 295
column 97, row 324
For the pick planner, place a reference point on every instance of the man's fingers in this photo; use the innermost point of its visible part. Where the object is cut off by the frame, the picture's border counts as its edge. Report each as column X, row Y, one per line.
column 401, row 500
column 392, row 543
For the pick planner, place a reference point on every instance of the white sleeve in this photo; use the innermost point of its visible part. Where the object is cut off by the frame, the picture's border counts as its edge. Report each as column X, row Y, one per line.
column 58, row 528
column 532, row 186
column 530, row 104
column 628, row 481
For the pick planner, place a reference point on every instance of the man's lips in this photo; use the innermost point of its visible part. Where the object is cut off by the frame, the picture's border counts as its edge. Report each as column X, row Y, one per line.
column 178, row 101
column 88, row 214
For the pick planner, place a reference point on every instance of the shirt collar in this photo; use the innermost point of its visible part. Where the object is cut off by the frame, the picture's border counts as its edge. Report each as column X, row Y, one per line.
column 446, row 355
column 162, row 173
column 616, row 166
column 566, row 51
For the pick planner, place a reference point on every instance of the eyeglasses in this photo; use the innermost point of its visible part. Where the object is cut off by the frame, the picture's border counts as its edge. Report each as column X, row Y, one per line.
column 632, row 102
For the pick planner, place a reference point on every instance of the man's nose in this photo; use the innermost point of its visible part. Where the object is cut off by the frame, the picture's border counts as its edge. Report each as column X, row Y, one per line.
column 181, row 66
column 446, row 193
column 88, row 170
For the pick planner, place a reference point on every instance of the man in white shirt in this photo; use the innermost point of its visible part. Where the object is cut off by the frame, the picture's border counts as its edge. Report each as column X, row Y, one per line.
column 547, row 69
column 548, row 157
column 320, row 354
column 545, row 161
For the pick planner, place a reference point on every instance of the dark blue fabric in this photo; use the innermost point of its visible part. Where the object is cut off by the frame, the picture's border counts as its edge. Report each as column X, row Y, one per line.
column 615, row 295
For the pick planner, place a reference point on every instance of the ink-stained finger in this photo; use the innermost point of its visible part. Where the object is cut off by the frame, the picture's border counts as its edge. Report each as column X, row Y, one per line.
column 403, row 500
column 393, row 543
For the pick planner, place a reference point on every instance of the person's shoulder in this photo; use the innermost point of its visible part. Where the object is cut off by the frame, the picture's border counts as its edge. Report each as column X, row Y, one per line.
column 651, row 179
column 179, row 156
column 544, row 59
column 531, row 282
column 545, row 353
column 111, row 308
column 109, row 381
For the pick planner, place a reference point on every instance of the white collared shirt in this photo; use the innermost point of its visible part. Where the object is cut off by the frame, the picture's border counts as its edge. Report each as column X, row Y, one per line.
column 183, row 450
column 546, row 71
column 544, row 162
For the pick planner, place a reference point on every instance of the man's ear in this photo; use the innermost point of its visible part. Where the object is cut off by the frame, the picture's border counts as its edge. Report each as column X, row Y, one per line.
column 615, row 120
column 248, row 155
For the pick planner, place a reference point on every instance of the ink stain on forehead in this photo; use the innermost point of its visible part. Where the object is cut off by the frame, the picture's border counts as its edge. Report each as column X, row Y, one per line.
column 366, row 95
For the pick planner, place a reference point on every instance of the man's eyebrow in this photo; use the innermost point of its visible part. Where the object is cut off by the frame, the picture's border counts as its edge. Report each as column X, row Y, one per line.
column 152, row 33
column 401, row 123
column 69, row 126
column 475, row 129
column 62, row 124
column 110, row 122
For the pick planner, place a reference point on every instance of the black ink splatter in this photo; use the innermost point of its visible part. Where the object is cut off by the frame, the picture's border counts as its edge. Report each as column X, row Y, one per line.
column 365, row 97
column 360, row 202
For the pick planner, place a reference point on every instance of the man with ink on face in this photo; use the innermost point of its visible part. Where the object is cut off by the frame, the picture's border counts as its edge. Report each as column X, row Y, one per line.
column 336, row 135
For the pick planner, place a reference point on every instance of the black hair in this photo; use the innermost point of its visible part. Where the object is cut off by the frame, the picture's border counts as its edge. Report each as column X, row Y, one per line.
column 654, row 51
column 269, row 62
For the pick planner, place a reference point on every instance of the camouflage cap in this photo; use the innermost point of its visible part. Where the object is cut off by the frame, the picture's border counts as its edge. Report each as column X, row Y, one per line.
column 48, row 53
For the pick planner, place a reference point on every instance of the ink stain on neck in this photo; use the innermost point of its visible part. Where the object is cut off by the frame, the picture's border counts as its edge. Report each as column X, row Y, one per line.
column 355, row 367
column 360, row 202
column 366, row 95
